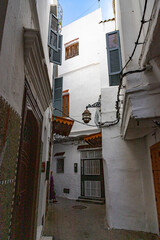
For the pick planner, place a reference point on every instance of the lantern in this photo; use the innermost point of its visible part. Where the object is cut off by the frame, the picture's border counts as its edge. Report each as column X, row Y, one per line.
column 86, row 116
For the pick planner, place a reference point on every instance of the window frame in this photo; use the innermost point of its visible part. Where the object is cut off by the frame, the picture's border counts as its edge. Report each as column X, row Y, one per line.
column 70, row 46
column 59, row 51
column 108, row 55
column 67, row 95
column 57, row 169
column 58, row 87
column 52, row 30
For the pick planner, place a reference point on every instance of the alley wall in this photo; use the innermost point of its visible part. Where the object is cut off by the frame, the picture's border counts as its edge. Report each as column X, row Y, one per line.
column 130, row 194
column 69, row 179
column 85, row 74
column 130, row 200
column 20, row 14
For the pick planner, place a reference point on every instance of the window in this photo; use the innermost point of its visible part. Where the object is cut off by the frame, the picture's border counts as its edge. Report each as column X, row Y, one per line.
column 60, row 165
column 53, row 32
column 71, row 50
column 54, row 40
column 114, row 57
column 65, row 103
column 57, row 101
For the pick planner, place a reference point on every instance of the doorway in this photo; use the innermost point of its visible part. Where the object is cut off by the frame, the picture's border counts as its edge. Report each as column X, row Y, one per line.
column 25, row 203
column 155, row 157
column 92, row 181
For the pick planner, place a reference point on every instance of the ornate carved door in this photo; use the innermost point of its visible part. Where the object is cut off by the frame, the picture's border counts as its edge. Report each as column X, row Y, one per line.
column 27, row 176
column 155, row 157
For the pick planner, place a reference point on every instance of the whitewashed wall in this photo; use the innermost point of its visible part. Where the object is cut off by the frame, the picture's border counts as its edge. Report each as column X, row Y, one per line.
column 24, row 14
column 85, row 74
column 130, row 202
column 69, row 179
column 128, row 21
column 128, row 171
column 20, row 14
column 45, row 139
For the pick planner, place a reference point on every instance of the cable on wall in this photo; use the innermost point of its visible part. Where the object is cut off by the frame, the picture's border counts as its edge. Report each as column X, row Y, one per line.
column 143, row 21
column 86, row 124
column 122, row 75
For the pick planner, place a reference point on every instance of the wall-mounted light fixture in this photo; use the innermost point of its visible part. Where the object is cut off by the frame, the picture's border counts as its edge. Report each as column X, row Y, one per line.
column 86, row 115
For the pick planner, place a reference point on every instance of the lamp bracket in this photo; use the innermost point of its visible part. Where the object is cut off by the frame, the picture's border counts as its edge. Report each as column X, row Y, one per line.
column 94, row 105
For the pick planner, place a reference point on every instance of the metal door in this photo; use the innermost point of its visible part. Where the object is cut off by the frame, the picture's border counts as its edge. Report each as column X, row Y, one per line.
column 92, row 178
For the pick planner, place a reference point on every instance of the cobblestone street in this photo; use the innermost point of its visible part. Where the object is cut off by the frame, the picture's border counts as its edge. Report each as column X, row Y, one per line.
column 68, row 220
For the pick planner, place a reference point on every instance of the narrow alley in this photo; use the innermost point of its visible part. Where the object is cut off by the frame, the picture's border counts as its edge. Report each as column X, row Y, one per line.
column 79, row 120
column 72, row 220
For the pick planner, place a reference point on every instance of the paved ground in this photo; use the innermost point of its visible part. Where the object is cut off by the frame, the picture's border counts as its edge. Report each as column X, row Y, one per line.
column 67, row 223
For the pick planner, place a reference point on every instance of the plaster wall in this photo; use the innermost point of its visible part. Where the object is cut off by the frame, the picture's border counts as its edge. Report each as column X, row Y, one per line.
column 69, row 179
column 20, row 14
column 151, row 139
column 85, row 74
column 24, row 14
column 128, row 22
column 130, row 202
column 45, row 140
column 43, row 10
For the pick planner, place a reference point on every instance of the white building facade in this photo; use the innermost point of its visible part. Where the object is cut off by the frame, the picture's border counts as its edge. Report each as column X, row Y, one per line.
column 130, row 132
column 131, row 147
column 84, row 72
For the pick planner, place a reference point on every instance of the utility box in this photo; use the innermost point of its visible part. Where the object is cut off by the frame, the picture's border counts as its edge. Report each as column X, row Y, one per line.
column 75, row 167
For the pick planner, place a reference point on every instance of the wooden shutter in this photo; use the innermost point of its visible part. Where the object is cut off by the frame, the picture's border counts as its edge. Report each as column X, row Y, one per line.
column 57, row 103
column 53, row 32
column 114, row 57
column 65, row 105
column 56, row 56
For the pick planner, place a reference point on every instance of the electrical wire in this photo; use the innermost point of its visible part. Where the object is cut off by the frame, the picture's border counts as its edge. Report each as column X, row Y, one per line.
column 139, row 35
column 122, row 75
column 135, row 71
column 90, row 125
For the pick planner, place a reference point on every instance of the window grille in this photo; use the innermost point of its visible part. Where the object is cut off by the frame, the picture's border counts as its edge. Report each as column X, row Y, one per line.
column 92, row 188
column 91, row 154
column 92, row 167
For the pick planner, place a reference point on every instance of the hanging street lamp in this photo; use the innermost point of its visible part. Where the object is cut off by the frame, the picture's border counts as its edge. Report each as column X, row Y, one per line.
column 86, row 115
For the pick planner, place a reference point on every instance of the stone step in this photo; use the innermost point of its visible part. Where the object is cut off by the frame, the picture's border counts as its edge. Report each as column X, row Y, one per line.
column 91, row 200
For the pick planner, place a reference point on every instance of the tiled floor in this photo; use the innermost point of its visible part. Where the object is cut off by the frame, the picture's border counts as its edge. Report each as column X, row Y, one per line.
column 67, row 223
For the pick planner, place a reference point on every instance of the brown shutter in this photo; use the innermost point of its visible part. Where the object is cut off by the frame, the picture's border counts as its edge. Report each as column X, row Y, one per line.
column 66, row 105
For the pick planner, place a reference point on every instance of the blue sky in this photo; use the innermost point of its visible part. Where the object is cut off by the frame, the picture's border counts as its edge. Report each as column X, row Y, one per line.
column 75, row 9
